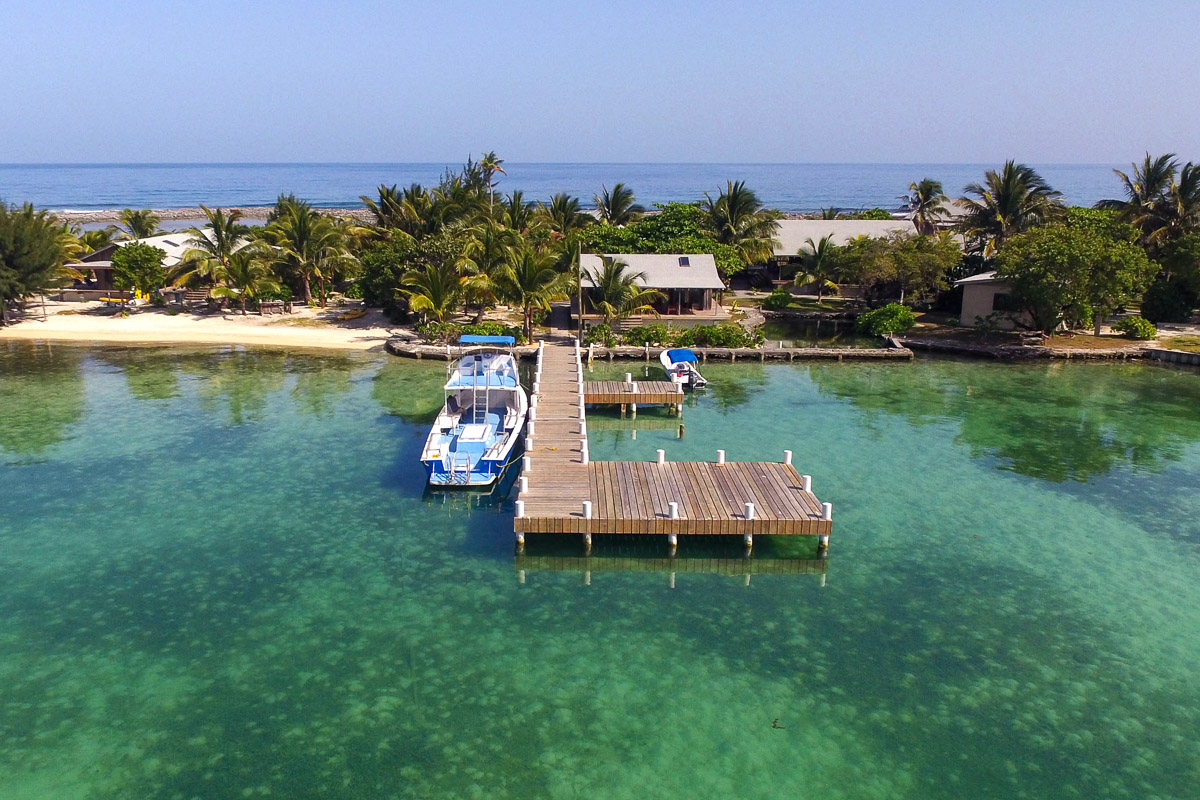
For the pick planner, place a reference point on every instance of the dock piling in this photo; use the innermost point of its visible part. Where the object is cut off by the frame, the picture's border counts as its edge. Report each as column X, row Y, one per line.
column 522, row 488
column 720, row 456
column 587, row 547
column 521, row 515
column 583, row 451
column 672, row 512
column 527, row 464
column 587, row 509
column 749, row 512
column 806, row 483
column 662, row 457
column 787, row 457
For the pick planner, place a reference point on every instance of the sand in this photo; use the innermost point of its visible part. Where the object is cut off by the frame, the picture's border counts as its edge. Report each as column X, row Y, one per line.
column 308, row 328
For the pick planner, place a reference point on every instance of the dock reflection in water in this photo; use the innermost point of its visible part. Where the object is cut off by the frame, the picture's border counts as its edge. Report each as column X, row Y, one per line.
column 715, row 555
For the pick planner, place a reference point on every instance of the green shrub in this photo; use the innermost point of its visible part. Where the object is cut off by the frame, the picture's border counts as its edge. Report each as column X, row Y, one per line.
column 725, row 334
column 777, row 300
column 1170, row 300
column 449, row 332
column 892, row 318
column 1136, row 328
column 354, row 291
column 654, row 333
column 600, row 334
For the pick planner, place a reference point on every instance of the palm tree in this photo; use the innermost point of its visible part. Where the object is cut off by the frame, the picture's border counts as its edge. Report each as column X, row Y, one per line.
column 433, row 290
column 616, row 294
column 140, row 223
column 1145, row 193
column 531, row 280
column 489, row 165
column 1181, row 207
column 518, row 215
column 1009, row 202
column 738, row 218
column 91, row 241
column 246, row 275
column 926, row 203
column 308, row 244
column 487, row 251
column 618, row 207
column 818, row 264
column 563, row 214
column 212, row 247
column 390, row 209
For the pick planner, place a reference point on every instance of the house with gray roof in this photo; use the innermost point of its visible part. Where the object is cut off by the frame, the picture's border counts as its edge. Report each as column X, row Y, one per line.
column 688, row 281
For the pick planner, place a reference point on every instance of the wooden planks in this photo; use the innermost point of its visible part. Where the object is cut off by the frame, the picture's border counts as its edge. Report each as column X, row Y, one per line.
column 633, row 497
column 619, row 392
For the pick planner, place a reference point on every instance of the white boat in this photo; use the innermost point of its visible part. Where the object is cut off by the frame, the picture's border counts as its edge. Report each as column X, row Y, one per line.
column 680, row 365
column 474, row 435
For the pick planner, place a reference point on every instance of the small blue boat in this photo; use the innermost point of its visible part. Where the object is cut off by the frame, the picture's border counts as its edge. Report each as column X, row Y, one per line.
column 681, row 369
column 472, row 439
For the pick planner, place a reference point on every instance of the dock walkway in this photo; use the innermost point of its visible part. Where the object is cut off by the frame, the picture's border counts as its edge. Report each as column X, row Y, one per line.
column 562, row 491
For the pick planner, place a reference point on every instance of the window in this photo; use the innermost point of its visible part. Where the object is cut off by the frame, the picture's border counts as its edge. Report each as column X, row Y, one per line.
column 1002, row 301
column 684, row 261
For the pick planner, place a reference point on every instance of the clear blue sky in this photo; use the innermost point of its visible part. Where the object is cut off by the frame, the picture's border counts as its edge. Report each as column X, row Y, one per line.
column 260, row 80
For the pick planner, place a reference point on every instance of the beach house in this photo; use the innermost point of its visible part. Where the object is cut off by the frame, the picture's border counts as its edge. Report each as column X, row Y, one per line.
column 987, row 299
column 687, row 281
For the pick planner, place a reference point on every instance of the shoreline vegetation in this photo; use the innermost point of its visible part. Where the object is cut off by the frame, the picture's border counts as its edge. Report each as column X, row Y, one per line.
column 425, row 263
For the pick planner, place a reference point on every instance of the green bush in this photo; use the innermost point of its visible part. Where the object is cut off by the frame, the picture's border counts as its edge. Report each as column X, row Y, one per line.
column 600, row 334
column 777, row 300
column 725, row 334
column 354, row 291
column 1170, row 300
column 654, row 333
column 892, row 318
column 1136, row 328
column 870, row 213
column 449, row 332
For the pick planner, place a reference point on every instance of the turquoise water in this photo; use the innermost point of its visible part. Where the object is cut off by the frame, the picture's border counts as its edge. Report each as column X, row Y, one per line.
column 219, row 577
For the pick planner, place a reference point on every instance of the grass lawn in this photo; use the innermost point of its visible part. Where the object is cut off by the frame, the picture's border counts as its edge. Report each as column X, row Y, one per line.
column 1089, row 342
column 1190, row 344
column 953, row 333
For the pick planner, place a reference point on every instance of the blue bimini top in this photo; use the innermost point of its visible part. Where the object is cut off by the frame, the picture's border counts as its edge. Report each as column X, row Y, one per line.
column 677, row 356
column 471, row 338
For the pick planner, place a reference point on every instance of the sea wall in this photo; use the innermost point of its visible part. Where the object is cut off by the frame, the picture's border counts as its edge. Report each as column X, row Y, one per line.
column 409, row 349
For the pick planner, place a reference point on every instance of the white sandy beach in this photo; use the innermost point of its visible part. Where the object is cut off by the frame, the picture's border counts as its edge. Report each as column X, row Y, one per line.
column 308, row 328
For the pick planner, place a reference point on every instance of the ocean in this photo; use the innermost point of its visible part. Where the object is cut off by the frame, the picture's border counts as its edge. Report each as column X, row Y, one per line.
column 788, row 187
column 221, row 576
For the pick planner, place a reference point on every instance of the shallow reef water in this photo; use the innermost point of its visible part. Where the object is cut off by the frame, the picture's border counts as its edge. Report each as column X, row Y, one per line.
column 221, row 576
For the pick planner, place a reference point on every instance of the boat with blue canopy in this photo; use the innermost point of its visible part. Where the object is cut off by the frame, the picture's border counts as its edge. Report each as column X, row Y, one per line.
column 680, row 366
column 473, row 438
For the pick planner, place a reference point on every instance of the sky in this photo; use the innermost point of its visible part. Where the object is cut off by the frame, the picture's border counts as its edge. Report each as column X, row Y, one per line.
column 1055, row 81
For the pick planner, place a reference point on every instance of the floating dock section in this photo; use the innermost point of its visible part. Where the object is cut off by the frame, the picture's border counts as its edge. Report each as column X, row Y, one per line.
column 561, row 490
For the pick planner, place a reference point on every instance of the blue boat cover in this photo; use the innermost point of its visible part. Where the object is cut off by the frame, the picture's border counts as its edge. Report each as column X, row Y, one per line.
column 470, row 338
column 682, row 354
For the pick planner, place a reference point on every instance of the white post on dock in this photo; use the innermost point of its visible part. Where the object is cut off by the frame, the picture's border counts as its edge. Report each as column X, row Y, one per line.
column 521, row 515
column 806, row 483
column 720, row 456
column 787, row 457
column 587, row 509
column 583, row 451
column 531, row 424
column 583, row 428
column 528, row 442
column 662, row 457
column 537, row 387
column 527, row 466
column 633, row 387
column 523, row 488
column 582, row 413
column 827, row 511
column 749, row 512
column 533, row 401
column 629, row 381
column 672, row 512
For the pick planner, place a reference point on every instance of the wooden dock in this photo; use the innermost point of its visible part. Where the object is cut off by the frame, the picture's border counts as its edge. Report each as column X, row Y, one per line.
column 633, row 393
column 562, row 491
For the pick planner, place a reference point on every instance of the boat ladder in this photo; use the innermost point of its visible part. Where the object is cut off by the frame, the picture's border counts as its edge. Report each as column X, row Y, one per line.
column 460, row 468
